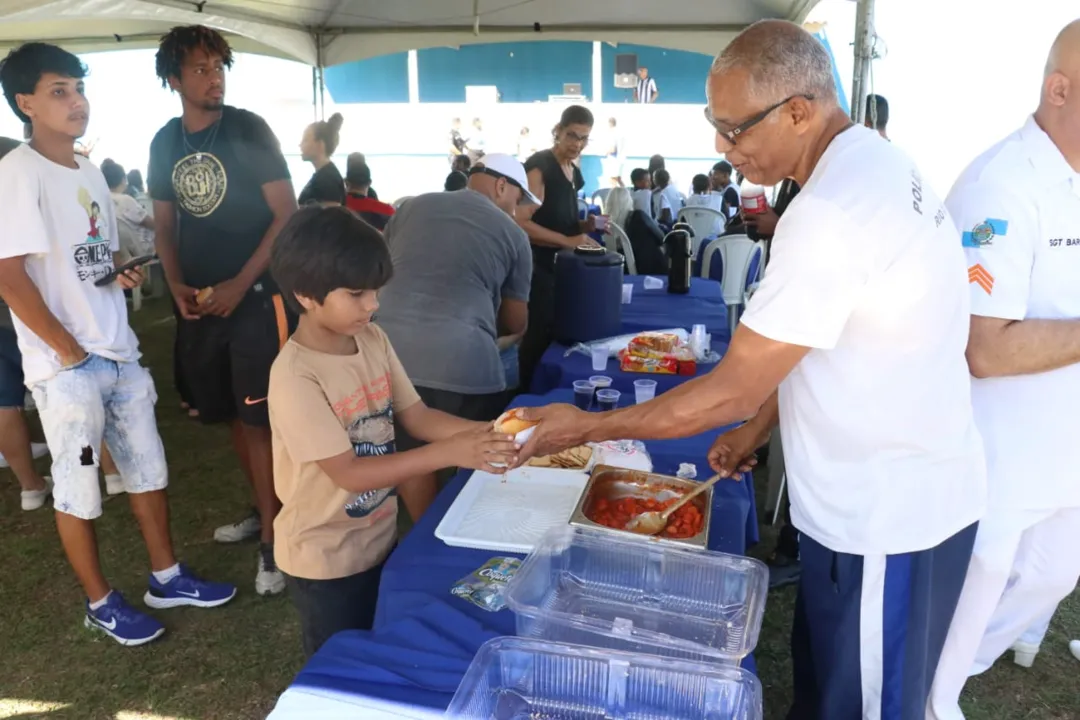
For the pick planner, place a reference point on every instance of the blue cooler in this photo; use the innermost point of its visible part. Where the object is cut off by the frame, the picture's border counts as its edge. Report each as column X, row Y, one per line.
column 588, row 295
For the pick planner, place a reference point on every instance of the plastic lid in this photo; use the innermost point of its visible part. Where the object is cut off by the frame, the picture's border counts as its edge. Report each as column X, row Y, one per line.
column 589, row 250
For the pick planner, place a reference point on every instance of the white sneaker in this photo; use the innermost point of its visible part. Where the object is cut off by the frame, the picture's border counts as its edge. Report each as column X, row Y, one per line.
column 1024, row 653
column 1074, row 648
column 268, row 580
column 37, row 450
column 35, row 499
column 246, row 529
column 114, row 485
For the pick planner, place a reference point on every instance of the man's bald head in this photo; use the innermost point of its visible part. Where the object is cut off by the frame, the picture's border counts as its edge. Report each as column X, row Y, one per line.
column 1065, row 53
column 780, row 59
column 1059, row 103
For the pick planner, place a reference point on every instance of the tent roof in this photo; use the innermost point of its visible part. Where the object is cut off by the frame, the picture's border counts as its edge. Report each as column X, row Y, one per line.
column 341, row 31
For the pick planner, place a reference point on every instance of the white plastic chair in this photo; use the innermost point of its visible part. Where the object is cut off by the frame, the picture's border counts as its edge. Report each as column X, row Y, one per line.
column 622, row 244
column 737, row 255
column 401, row 201
column 704, row 221
column 599, row 198
column 582, row 208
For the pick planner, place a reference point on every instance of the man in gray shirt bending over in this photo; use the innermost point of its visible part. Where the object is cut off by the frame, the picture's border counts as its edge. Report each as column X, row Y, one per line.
column 460, row 292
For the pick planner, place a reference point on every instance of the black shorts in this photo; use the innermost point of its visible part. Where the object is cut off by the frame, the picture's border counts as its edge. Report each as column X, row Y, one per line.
column 327, row 607
column 226, row 361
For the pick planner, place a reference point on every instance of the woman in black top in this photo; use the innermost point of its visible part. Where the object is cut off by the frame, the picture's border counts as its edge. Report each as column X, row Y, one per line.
column 318, row 145
column 552, row 226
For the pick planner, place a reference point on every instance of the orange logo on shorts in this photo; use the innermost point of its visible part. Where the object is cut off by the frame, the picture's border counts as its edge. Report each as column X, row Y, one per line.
column 978, row 274
column 249, row 401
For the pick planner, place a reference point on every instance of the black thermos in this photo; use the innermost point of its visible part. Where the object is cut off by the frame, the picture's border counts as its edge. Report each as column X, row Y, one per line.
column 680, row 250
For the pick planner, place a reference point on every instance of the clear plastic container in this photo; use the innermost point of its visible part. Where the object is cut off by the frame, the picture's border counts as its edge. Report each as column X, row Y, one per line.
column 521, row 679
column 596, row 588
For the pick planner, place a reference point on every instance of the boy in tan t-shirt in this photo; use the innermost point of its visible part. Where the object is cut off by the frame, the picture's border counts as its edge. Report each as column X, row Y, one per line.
column 335, row 391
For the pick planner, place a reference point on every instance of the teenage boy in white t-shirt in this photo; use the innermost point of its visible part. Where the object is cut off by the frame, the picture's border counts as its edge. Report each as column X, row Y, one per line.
column 80, row 357
column 855, row 343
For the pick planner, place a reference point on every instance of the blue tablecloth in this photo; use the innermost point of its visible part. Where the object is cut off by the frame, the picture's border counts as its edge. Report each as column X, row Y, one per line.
column 559, row 370
column 661, row 310
column 424, row 638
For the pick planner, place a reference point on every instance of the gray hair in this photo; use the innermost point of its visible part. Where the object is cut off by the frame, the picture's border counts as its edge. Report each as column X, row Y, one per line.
column 781, row 60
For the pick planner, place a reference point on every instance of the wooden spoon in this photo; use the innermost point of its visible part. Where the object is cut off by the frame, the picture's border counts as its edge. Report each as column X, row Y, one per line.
column 651, row 523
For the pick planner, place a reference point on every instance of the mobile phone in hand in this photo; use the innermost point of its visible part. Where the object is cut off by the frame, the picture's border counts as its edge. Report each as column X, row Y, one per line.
column 134, row 263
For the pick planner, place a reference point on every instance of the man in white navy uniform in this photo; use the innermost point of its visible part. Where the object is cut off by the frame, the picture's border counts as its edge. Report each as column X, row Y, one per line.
column 855, row 342
column 1018, row 208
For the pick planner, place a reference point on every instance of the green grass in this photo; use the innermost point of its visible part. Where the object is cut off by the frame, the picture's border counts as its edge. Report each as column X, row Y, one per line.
column 233, row 662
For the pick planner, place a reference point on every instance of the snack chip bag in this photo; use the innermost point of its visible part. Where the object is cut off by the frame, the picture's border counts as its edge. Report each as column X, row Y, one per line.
column 486, row 586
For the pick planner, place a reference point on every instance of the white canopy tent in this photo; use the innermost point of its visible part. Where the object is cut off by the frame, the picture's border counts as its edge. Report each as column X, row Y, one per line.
column 332, row 32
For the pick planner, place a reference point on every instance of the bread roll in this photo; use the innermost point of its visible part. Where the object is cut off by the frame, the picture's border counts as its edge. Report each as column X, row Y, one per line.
column 511, row 422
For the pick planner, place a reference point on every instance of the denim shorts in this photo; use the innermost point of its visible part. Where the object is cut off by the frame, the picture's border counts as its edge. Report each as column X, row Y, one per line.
column 92, row 400
column 12, row 390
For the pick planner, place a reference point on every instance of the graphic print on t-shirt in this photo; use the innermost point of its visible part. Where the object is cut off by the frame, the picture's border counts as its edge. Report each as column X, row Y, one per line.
column 372, row 435
column 93, row 256
column 199, row 181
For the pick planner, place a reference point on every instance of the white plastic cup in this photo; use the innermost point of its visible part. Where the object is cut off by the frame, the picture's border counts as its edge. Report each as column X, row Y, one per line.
column 607, row 399
column 644, row 391
column 599, row 358
column 627, row 293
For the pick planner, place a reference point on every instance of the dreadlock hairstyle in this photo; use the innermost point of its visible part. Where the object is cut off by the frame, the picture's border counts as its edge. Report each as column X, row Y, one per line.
column 180, row 41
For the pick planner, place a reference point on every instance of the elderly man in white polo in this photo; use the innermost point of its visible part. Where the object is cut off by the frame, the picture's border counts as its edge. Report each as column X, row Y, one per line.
column 854, row 343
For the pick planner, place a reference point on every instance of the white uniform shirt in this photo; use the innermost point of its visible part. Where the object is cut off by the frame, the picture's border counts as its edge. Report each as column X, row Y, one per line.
column 881, row 449
column 62, row 219
column 666, row 198
column 1018, row 206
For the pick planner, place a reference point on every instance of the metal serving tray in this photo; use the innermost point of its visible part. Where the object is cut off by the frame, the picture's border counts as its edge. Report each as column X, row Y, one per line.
column 613, row 483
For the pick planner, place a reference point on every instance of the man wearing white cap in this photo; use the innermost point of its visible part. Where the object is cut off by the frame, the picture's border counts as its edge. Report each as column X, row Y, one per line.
column 1018, row 207
column 460, row 293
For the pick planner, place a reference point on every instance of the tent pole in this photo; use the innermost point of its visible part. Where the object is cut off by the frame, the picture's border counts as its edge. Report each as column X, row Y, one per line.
column 864, row 51
column 318, row 81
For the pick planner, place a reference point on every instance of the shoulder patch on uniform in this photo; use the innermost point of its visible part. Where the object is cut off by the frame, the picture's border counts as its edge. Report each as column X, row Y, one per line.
column 983, row 233
column 981, row 276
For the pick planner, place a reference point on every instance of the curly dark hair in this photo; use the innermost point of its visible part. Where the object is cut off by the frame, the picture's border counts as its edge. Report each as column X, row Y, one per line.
column 181, row 40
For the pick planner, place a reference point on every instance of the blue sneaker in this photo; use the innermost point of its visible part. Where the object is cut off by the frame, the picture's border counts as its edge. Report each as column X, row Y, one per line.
column 187, row 588
column 123, row 623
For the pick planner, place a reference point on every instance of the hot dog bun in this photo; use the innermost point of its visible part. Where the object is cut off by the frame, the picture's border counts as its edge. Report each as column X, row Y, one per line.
column 511, row 422
column 203, row 295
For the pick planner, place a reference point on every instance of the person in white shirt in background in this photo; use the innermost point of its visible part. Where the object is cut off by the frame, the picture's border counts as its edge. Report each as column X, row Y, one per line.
column 136, row 225
column 641, row 180
column 704, row 197
column 616, row 154
column 667, row 201
column 1018, row 207
column 723, row 186
column 855, row 343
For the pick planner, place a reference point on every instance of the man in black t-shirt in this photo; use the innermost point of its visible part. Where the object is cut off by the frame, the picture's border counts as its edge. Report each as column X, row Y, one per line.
column 221, row 193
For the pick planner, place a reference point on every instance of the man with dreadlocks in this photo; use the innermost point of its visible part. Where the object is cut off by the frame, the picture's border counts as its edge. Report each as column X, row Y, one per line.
column 221, row 193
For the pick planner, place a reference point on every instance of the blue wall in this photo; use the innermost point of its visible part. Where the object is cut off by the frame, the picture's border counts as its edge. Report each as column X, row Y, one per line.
column 383, row 79
column 523, row 72
column 680, row 75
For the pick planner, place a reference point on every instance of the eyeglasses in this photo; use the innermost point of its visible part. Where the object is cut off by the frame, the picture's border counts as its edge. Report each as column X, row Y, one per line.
column 480, row 169
column 735, row 132
column 574, row 137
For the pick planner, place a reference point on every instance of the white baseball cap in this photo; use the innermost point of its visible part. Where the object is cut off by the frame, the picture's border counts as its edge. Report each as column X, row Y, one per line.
column 506, row 167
